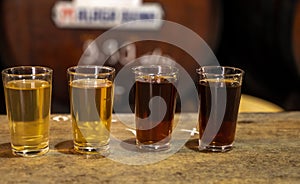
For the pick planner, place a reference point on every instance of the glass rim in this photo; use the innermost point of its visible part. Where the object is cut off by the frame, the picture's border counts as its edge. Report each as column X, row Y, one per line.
column 201, row 70
column 110, row 70
column 45, row 71
column 173, row 70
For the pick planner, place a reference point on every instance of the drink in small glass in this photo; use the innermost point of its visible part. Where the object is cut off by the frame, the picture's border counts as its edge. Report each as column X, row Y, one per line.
column 219, row 89
column 91, row 91
column 155, row 103
column 28, row 101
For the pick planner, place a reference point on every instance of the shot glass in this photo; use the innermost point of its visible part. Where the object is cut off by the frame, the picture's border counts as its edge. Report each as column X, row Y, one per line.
column 219, row 89
column 91, row 90
column 28, row 100
column 155, row 103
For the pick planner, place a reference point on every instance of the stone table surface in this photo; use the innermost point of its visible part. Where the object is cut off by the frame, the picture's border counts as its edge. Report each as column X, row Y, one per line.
column 266, row 150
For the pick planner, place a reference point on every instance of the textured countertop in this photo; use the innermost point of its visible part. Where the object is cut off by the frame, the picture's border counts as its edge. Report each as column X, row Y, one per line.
column 266, row 150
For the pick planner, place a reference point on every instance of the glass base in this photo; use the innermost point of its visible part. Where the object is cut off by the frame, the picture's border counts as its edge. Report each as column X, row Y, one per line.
column 30, row 152
column 213, row 148
column 153, row 147
column 103, row 150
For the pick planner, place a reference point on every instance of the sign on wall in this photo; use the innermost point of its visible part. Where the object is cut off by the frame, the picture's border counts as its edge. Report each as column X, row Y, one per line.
column 107, row 14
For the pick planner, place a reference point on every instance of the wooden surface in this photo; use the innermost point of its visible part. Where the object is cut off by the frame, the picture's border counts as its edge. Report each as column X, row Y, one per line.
column 250, row 103
column 266, row 150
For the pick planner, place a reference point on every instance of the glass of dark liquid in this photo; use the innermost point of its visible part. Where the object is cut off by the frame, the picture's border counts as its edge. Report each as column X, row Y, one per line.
column 219, row 90
column 155, row 103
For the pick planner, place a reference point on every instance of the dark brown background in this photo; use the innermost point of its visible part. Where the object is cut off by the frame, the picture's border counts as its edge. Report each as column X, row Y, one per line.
column 261, row 37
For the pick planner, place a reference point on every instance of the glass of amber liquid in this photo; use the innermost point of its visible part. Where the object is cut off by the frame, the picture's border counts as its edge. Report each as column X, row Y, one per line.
column 91, row 90
column 28, row 101
column 219, row 89
column 155, row 103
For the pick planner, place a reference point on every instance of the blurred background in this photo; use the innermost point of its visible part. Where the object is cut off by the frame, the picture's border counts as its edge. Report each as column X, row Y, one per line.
column 260, row 36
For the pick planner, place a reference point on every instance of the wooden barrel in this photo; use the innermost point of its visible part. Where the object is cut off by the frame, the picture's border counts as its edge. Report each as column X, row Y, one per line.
column 263, row 38
column 30, row 37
